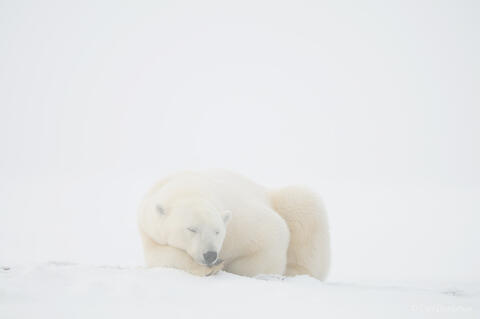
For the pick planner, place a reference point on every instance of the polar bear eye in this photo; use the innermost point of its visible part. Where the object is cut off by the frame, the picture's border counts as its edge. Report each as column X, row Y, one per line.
column 160, row 210
column 193, row 230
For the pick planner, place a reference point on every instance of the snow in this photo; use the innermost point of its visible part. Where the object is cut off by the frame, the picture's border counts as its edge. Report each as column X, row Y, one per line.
column 65, row 290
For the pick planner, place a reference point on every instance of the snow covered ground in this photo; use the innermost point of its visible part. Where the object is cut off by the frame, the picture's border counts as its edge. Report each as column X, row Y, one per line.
column 63, row 290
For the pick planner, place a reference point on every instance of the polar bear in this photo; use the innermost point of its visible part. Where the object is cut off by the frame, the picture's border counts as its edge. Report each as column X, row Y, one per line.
column 202, row 222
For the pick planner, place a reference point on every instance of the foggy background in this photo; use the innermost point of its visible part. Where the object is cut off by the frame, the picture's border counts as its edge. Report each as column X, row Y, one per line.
column 374, row 105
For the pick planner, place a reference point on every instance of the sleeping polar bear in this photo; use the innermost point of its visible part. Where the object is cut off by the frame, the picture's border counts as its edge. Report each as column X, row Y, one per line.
column 202, row 222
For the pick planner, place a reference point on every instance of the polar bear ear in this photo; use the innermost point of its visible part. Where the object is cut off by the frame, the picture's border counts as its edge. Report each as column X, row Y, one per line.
column 160, row 210
column 227, row 215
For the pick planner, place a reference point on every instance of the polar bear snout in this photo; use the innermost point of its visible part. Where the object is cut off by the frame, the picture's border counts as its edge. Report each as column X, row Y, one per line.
column 210, row 257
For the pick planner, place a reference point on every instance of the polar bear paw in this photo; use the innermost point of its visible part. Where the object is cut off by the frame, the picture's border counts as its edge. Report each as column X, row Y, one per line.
column 216, row 267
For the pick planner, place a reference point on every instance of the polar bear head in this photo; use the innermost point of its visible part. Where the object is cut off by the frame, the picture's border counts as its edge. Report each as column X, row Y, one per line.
column 190, row 223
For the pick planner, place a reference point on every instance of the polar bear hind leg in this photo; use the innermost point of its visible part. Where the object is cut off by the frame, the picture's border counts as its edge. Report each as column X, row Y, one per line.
column 309, row 247
column 269, row 248
column 262, row 262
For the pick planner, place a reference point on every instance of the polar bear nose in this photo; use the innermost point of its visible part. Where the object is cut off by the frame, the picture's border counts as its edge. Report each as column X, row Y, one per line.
column 210, row 257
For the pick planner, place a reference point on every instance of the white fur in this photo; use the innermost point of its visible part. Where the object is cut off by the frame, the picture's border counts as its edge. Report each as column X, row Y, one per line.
column 254, row 230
